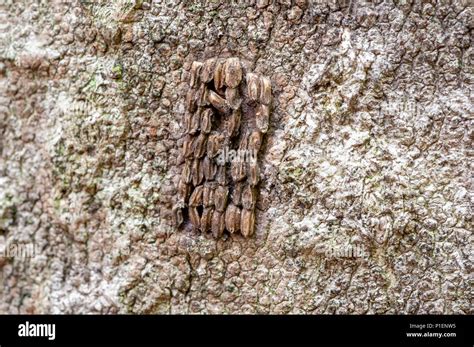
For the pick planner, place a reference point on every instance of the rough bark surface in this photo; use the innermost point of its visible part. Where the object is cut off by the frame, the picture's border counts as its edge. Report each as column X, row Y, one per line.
column 368, row 152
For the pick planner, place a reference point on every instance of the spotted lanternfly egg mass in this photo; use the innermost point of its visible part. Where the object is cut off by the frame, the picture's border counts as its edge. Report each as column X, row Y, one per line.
column 227, row 117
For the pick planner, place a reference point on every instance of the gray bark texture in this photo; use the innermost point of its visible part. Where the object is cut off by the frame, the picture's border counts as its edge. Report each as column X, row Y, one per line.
column 366, row 193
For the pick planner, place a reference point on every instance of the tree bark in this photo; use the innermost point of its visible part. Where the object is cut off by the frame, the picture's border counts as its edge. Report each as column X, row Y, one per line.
column 365, row 203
